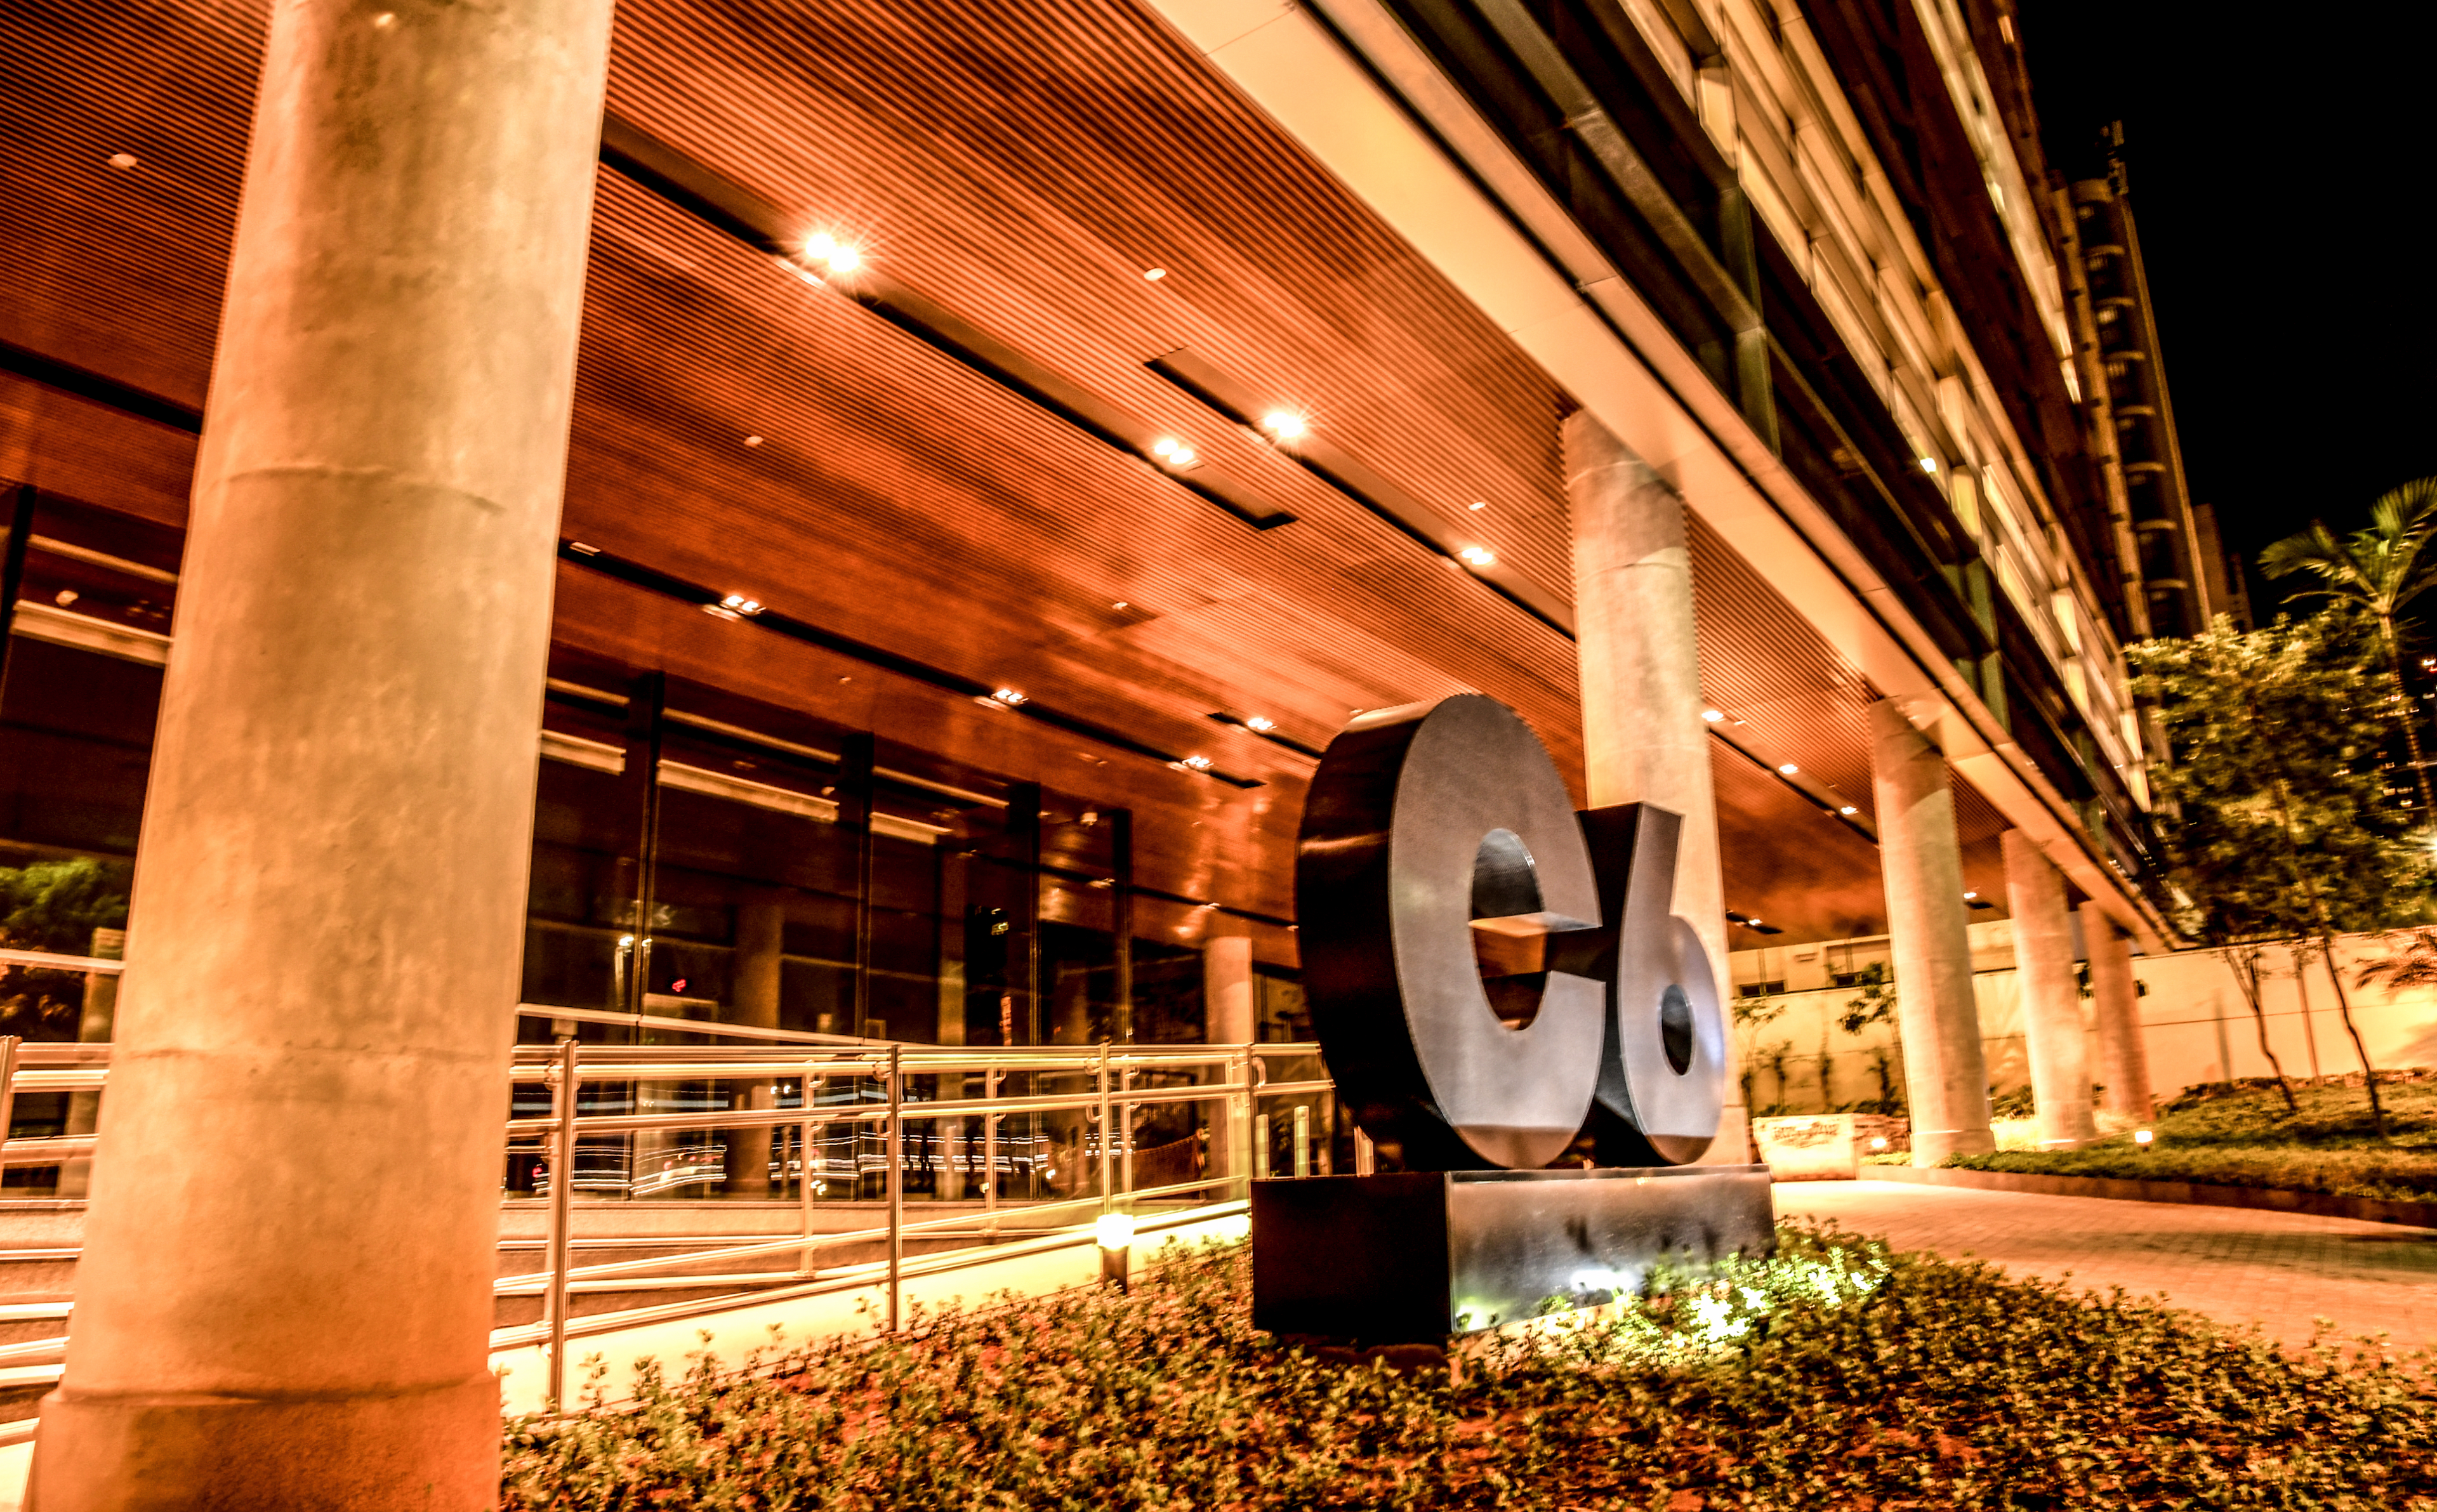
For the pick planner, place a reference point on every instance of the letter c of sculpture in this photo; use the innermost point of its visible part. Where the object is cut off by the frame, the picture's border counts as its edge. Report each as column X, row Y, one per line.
column 1421, row 823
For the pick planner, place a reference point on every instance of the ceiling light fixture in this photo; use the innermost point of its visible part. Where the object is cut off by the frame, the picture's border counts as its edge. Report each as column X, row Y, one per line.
column 1848, row 810
column 1154, row 274
column 1971, row 895
column 840, row 257
column 1929, row 464
column 741, row 604
column 1196, row 763
column 1477, row 504
column 122, row 161
column 1480, row 556
column 1261, row 724
column 1010, row 697
column 1713, row 716
column 1284, row 424
column 753, row 440
column 1789, row 768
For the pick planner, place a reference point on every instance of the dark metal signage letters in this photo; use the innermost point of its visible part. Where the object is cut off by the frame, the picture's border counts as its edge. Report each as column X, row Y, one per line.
column 1498, row 984
column 1430, row 821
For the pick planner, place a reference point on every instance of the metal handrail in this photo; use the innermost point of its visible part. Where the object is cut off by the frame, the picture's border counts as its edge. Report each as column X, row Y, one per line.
column 1109, row 1104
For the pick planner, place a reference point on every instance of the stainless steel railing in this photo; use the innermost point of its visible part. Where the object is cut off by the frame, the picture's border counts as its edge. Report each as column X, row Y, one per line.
column 1118, row 1085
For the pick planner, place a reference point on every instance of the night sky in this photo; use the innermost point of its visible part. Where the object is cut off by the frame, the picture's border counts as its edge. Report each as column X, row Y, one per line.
column 2280, row 172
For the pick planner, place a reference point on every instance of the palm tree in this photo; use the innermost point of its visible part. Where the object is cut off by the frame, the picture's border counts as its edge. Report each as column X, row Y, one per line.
column 2379, row 569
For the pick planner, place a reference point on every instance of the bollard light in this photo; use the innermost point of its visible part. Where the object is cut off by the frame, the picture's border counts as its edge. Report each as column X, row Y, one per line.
column 1878, row 1141
column 1116, row 1235
column 2142, row 1138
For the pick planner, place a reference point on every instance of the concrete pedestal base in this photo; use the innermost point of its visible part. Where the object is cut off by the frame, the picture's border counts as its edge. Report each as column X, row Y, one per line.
column 198, row 1453
column 1418, row 1256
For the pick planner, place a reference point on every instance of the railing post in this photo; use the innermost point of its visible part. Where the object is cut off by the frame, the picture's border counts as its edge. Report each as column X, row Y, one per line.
column 1302, row 1141
column 562, row 1197
column 1107, row 1130
column 896, row 1184
column 8, row 1045
column 1239, row 1121
column 807, row 1139
column 990, row 1154
column 1125, row 1122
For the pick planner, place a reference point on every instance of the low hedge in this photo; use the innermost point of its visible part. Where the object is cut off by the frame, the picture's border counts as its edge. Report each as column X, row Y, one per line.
column 1837, row 1376
column 2242, row 1135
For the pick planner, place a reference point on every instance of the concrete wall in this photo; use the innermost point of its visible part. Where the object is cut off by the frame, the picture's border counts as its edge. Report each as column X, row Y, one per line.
column 2197, row 1026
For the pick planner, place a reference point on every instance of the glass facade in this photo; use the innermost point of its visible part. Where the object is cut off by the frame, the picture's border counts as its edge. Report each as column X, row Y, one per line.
column 699, row 859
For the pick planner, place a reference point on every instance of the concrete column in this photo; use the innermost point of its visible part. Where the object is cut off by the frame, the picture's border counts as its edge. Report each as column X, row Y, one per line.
column 761, row 956
column 2116, row 998
column 1946, row 1079
column 1643, row 737
column 1227, row 1019
column 285, row 1298
column 1227, row 990
column 2052, row 1028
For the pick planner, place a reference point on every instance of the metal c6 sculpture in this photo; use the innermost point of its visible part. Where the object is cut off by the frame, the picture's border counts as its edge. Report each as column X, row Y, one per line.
column 1428, row 822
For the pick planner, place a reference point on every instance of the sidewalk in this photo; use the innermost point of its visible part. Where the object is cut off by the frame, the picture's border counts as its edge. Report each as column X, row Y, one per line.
column 2279, row 1270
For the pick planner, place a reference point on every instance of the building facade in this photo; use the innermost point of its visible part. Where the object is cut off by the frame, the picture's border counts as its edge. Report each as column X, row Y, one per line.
column 1002, row 446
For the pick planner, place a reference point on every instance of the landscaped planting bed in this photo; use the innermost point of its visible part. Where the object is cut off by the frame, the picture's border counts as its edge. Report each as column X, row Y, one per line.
column 2242, row 1136
column 1835, row 1377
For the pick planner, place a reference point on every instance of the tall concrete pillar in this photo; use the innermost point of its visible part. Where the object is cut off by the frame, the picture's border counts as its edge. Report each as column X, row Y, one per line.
column 2052, row 1028
column 285, row 1298
column 2115, row 1002
column 1643, row 737
column 1227, row 990
column 1920, row 859
column 761, row 959
column 1227, row 1019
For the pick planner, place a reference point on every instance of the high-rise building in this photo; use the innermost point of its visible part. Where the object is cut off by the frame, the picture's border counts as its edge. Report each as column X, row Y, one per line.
column 1002, row 446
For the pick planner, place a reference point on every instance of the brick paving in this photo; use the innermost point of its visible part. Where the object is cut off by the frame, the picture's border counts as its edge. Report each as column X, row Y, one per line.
column 2282, row 1271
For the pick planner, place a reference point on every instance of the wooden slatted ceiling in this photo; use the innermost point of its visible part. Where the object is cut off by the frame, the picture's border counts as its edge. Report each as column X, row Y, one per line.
column 120, row 270
column 886, row 467
column 1024, row 165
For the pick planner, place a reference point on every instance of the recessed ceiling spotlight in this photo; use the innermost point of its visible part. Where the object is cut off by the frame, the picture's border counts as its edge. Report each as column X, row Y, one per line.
column 1848, row 809
column 1477, row 504
column 1259, row 722
column 1165, row 446
column 1154, row 274
column 736, row 603
column 753, row 440
column 1284, row 424
column 1197, row 763
column 840, row 257
column 1713, row 716
column 1971, row 895
column 1120, row 605
column 1929, row 464
column 1480, row 556
column 1789, row 768
column 1008, row 696
column 122, row 161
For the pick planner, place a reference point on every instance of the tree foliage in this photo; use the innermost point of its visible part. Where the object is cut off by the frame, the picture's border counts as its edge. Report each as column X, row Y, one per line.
column 2275, row 822
column 2378, row 571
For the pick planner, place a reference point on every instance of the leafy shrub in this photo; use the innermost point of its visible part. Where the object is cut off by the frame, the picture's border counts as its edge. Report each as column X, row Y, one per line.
column 1835, row 1377
column 2241, row 1134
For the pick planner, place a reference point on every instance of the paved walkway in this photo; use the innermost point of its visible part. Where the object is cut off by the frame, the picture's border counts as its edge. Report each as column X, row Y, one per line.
column 2279, row 1270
